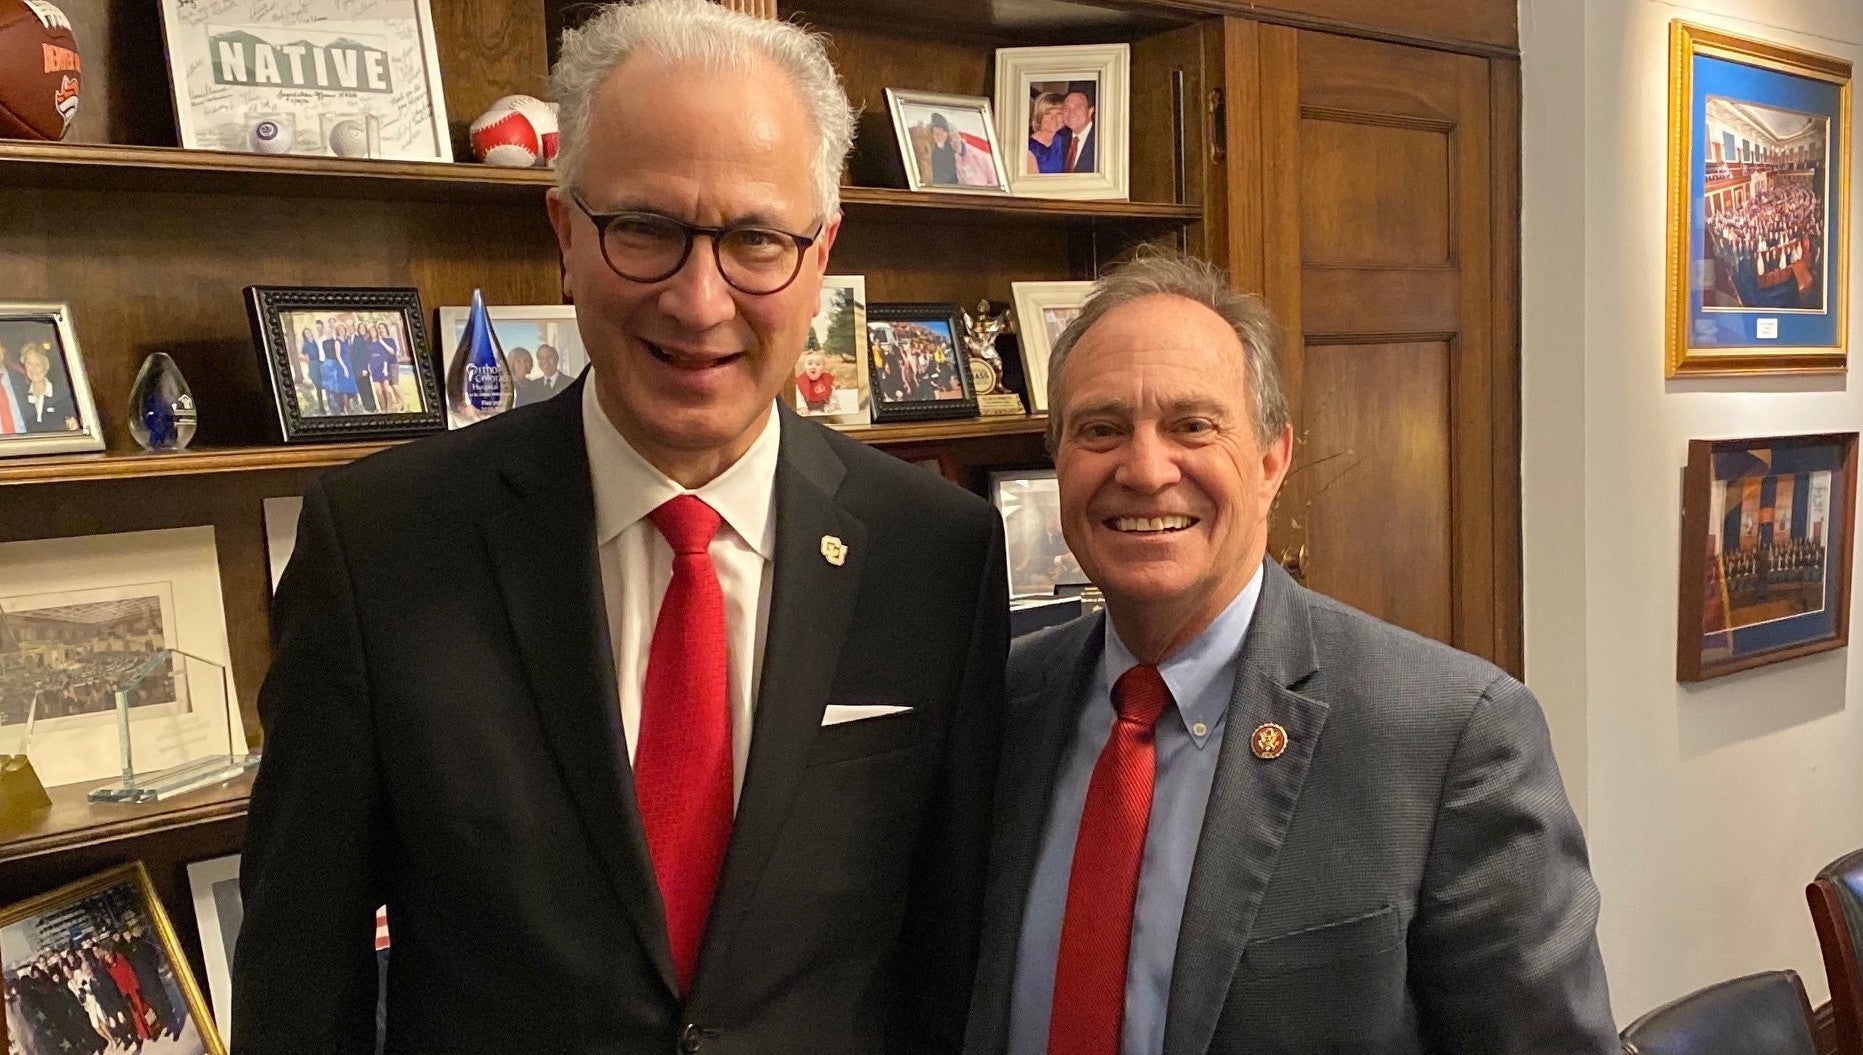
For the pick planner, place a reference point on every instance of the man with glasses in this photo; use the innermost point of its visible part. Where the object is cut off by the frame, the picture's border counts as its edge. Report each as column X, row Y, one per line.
column 660, row 718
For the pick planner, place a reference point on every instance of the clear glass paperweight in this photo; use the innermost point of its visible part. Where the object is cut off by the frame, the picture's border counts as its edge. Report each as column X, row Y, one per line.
column 161, row 408
column 171, row 678
column 479, row 385
column 21, row 793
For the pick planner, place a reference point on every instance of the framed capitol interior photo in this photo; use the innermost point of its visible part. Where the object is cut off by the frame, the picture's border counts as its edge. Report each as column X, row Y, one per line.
column 346, row 363
column 329, row 78
column 540, row 341
column 919, row 372
column 947, row 142
column 1759, row 192
column 1063, row 116
column 45, row 396
column 1767, row 526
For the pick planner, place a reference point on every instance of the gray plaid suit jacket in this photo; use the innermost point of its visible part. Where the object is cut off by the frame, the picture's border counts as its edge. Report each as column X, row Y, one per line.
column 1407, row 877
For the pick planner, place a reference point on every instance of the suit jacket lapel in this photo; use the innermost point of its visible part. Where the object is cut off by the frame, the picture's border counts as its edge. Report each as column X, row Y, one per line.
column 811, row 608
column 553, row 595
column 1251, row 804
column 1044, row 714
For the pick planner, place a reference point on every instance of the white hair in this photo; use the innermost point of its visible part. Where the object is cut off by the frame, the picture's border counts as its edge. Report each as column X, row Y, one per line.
column 714, row 38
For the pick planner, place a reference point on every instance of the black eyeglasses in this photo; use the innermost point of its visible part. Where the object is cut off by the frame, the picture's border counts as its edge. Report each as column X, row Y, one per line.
column 648, row 247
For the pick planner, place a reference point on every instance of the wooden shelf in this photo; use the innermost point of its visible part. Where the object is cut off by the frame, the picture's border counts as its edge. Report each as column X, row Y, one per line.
column 73, row 820
column 948, row 431
column 70, row 468
column 90, row 166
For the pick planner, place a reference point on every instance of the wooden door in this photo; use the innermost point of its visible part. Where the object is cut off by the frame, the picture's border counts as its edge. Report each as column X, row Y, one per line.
column 1370, row 205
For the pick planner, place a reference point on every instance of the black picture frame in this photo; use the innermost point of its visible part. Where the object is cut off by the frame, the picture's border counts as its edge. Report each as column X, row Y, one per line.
column 305, row 392
column 901, row 393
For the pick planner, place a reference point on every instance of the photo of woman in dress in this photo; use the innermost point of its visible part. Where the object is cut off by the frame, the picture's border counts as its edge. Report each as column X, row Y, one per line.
column 1048, row 133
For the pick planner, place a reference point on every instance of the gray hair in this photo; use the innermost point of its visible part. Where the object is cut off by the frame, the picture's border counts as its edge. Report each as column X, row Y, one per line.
column 714, row 38
column 1155, row 272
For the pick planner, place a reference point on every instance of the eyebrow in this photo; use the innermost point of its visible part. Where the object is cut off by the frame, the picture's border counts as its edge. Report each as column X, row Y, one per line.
column 1119, row 407
column 753, row 218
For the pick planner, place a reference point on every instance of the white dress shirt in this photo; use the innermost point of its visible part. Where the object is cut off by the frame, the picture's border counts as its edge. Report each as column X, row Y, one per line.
column 637, row 564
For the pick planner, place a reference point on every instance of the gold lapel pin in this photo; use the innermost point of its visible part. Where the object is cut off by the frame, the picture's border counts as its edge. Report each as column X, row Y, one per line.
column 834, row 551
column 1269, row 740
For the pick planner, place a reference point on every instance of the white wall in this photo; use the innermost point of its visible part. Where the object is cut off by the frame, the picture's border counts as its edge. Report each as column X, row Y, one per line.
column 1708, row 806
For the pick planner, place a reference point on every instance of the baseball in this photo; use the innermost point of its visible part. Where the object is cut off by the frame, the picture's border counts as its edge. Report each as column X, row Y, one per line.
column 516, row 132
column 270, row 137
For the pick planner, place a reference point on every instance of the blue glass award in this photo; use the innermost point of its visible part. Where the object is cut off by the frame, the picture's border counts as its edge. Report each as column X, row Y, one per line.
column 161, row 408
column 478, row 381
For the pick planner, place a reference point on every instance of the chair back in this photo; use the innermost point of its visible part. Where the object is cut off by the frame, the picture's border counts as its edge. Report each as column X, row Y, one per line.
column 1836, row 899
column 1760, row 1014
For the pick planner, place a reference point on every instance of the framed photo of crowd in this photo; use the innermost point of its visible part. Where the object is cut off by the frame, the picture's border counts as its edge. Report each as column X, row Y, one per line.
column 1766, row 551
column 45, row 397
column 1759, row 192
column 918, row 370
column 346, row 363
column 1068, row 108
column 541, row 342
column 94, row 967
column 947, row 142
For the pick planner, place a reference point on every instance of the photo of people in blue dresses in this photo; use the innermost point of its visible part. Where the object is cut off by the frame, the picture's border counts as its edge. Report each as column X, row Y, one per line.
column 35, row 386
column 1062, row 138
column 351, row 363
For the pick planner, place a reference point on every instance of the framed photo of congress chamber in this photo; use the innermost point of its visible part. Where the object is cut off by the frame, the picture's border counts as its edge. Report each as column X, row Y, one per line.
column 1759, row 218
column 1767, row 525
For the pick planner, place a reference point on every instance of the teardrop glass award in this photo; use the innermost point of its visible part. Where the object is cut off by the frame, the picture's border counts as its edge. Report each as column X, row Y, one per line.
column 478, row 381
column 161, row 408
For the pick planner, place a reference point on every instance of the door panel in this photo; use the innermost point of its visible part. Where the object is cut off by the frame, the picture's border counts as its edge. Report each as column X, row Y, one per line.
column 1379, row 206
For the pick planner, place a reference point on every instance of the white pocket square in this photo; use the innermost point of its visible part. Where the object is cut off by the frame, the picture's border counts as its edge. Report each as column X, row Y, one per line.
column 836, row 713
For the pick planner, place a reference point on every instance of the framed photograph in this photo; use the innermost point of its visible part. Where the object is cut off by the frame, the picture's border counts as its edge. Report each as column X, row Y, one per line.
column 831, row 373
column 1759, row 217
column 85, row 613
column 918, row 371
column 321, row 77
column 948, row 142
column 94, row 967
column 1068, row 109
column 1766, row 547
column 45, row 397
column 1040, row 564
column 1043, row 310
column 540, row 342
column 346, row 363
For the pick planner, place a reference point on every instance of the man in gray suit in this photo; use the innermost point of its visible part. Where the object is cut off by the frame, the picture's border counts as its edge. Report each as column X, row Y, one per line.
column 1241, row 817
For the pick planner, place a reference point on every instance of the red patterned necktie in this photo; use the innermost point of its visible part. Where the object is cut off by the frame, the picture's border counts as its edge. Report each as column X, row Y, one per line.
column 1073, row 152
column 682, row 765
column 1096, row 931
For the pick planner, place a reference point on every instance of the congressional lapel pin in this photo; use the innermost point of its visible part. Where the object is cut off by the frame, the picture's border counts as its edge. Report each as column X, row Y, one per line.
column 1269, row 740
column 834, row 551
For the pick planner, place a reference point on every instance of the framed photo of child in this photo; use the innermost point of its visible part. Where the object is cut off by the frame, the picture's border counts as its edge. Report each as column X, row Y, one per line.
column 831, row 373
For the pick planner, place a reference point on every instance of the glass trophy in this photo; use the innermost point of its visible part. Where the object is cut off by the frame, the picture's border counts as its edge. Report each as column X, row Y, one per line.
column 178, row 681
column 161, row 408
column 21, row 793
column 986, row 367
column 479, row 384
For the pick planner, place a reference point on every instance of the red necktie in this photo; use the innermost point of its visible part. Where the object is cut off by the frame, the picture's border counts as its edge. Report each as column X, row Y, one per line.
column 1096, row 930
column 1073, row 152
column 8, row 426
column 682, row 765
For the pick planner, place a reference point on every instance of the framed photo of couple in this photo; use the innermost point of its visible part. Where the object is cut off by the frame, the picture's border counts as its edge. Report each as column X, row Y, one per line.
column 947, row 142
column 45, row 397
column 1068, row 108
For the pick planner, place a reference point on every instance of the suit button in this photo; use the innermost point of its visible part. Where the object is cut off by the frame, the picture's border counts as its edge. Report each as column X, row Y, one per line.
column 692, row 1039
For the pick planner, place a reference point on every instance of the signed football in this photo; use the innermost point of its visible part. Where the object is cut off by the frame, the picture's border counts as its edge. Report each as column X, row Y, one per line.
column 38, row 71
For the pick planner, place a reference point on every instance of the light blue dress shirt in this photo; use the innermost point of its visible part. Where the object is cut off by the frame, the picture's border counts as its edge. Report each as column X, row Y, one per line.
column 1201, row 677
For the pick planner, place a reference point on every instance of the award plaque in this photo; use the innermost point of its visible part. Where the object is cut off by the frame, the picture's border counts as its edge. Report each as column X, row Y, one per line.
column 986, row 367
column 184, row 681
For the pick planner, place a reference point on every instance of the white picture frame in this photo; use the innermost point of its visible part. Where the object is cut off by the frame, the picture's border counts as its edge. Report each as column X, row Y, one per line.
column 368, row 87
column 517, row 326
column 846, row 360
column 53, row 414
column 1042, row 309
column 1037, row 555
column 218, row 912
column 970, row 128
column 1101, row 75
column 144, row 590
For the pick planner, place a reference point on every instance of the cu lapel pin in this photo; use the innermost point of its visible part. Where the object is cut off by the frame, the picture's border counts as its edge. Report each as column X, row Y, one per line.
column 834, row 551
column 1269, row 740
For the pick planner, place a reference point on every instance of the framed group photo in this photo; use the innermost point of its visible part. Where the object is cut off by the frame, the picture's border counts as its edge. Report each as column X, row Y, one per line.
column 1759, row 191
column 346, row 363
column 831, row 374
column 540, row 341
column 45, row 396
column 321, row 77
column 918, row 372
column 94, row 967
column 1043, row 310
column 1766, row 547
column 947, row 142
column 1068, row 109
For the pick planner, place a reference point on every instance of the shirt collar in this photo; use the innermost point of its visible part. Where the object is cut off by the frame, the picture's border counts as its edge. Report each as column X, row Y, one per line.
column 1200, row 674
column 627, row 486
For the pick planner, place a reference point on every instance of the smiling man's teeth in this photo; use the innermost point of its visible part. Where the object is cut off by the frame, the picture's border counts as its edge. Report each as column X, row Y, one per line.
column 1173, row 523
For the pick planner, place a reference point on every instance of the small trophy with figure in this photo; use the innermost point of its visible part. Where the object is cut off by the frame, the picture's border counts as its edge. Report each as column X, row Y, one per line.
column 986, row 367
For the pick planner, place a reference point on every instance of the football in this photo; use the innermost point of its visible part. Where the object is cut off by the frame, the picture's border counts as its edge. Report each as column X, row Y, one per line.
column 38, row 71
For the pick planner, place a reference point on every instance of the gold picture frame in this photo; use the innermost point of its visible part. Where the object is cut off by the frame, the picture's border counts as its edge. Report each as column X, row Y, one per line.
column 1759, row 214
column 126, row 899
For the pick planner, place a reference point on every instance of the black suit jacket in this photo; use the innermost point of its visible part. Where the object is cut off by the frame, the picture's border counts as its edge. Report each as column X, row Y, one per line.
column 442, row 735
column 1406, row 877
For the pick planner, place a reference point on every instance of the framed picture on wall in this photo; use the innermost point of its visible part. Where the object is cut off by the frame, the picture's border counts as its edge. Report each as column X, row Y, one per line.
column 1759, row 192
column 918, row 371
column 947, row 142
column 346, row 363
column 1766, row 547
column 1043, row 310
column 1067, row 110
column 45, row 397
